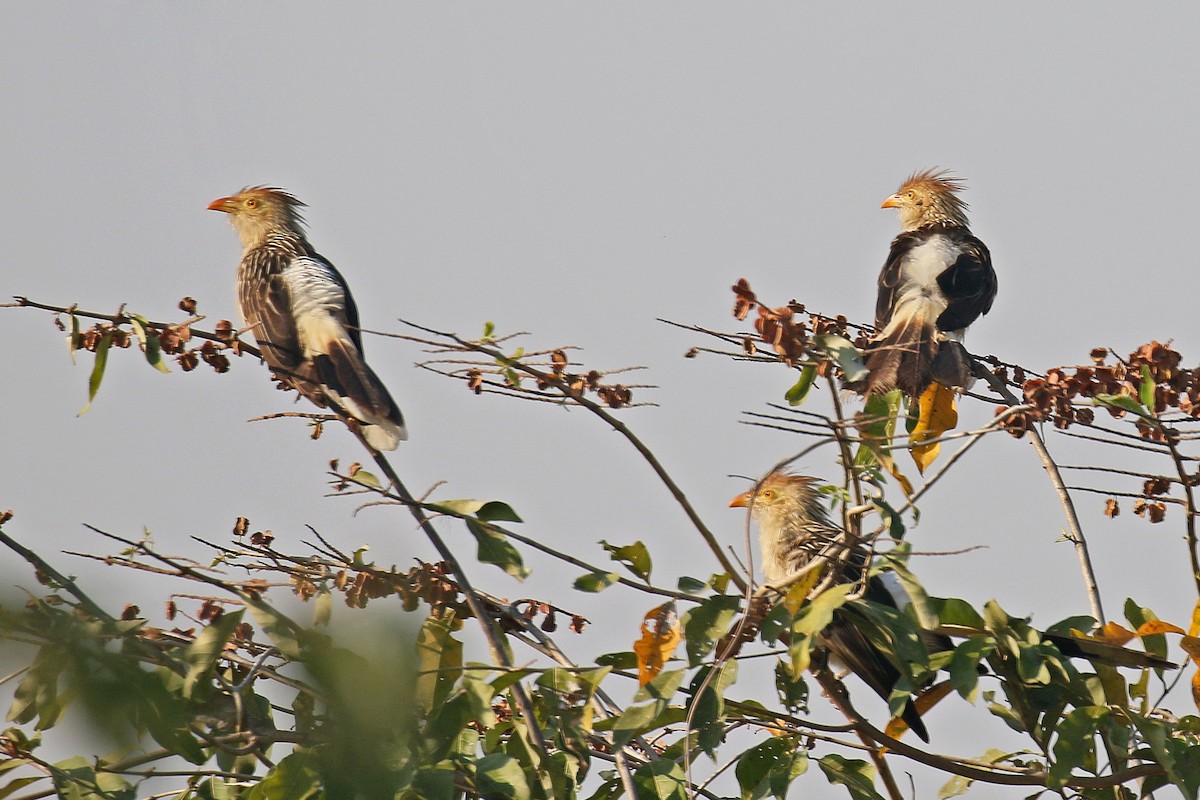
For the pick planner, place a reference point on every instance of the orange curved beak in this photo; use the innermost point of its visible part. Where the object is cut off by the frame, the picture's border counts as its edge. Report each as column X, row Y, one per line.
column 891, row 202
column 742, row 500
column 221, row 204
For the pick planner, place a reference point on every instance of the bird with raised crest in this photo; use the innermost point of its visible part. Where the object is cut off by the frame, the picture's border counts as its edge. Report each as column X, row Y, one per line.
column 795, row 530
column 937, row 280
column 303, row 316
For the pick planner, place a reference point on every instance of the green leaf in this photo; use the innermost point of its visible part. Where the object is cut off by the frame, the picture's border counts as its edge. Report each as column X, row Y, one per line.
column 494, row 548
column 964, row 665
column 795, row 395
column 1122, row 401
column 489, row 329
column 500, row 775
column 661, row 687
column 635, row 557
column 922, row 606
column 879, row 411
column 445, row 725
column 1081, row 622
column 1146, row 390
column 706, row 623
column 857, row 776
column 496, row 511
column 150, row 343
column 76, row 779
column 953, row 611
column 623, row 660
column 768, row 768
column 894, row 522
column 293, row 778
column 660, row 780
column 843, row 351
column 1075, row 746
column 486, row 510
column 73, row 335
column 97, row 369
column 17, row 784
column 283, row 631
column 792, row 688
column 596, row 581
column 633, row 721
column 436, row 782
column 691, row 585
column 368, row 479
column 1174, row 755
column 812, row 619
column 204, row 650
column 1155, row 643
column 439, row 663
column 708, row 707
column 36, row 696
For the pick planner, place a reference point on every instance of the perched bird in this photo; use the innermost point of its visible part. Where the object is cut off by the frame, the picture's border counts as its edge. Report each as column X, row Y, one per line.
column 937, row 280
column 302, row 314
column 794, row 529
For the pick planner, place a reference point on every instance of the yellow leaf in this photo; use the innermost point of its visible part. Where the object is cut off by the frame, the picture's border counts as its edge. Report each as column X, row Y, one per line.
column 1158, row 626
column 797, row 593
column 1196, row 689
column 660, row 637
column 779, row 729
column 1194, row 628
column 1112, row 633
column 938, row 414
column 1191, row 646
column 926, row 700
column 896, row 728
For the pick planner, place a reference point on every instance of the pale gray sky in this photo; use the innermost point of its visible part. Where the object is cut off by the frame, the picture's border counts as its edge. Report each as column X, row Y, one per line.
column 577, row 171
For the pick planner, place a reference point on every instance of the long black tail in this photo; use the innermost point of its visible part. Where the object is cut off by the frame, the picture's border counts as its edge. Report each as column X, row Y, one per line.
column 354, row 387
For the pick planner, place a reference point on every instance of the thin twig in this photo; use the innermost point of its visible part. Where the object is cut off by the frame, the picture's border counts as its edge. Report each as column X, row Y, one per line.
column 1064, row 497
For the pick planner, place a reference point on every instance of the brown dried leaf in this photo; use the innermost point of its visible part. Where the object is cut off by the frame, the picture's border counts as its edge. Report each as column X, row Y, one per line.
column 1156, row 486
column 745, row 299
column 558, row 361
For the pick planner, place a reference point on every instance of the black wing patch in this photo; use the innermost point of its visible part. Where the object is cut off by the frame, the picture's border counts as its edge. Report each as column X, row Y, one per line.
column 969, row 285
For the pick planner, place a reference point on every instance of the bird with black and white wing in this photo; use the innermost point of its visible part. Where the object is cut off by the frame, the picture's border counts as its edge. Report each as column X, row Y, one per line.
column 303, row 316
column 794, row 530
column 937, row 280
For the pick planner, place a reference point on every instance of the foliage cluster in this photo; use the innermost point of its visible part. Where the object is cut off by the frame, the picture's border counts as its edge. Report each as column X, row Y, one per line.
column 234, row 698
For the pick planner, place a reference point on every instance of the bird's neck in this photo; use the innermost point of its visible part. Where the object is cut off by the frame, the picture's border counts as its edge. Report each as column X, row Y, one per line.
column 938, row 213
column 255, row 233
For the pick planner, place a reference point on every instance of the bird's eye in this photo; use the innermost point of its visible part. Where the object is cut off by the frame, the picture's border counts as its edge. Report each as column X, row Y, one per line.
column 251, row 202
column 768, row 494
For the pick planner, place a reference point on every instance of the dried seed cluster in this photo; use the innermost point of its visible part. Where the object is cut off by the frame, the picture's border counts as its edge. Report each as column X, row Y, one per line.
column 1171, row 387
column 781, row 329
